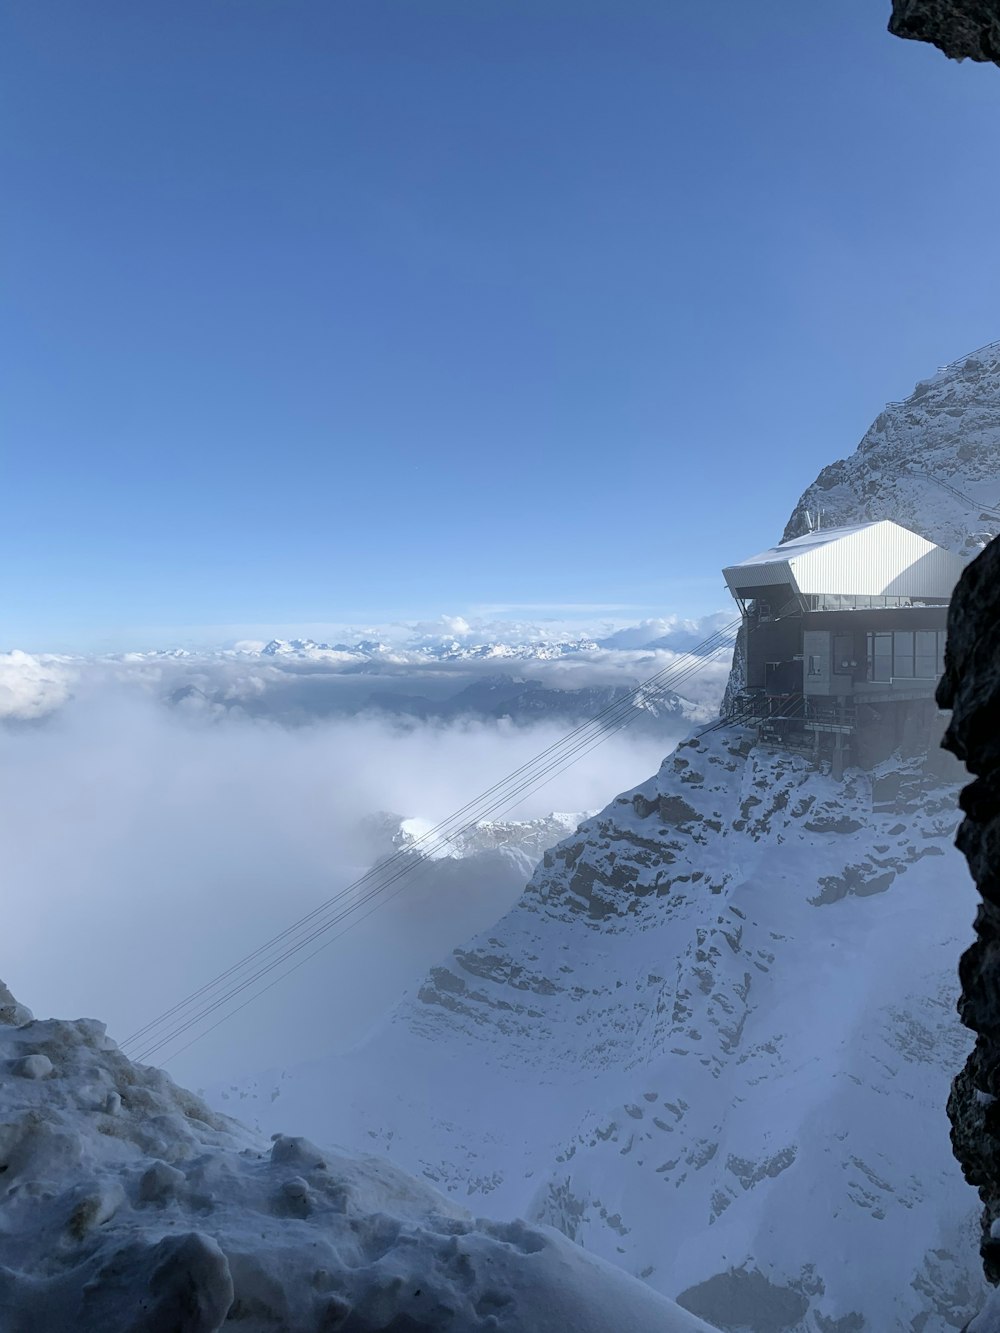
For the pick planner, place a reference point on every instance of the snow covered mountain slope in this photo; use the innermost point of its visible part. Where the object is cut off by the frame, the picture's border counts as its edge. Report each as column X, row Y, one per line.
column 516, row 842
column 712, row 1043
column 931, row 462
column 126, row 1205
column 714, row 1039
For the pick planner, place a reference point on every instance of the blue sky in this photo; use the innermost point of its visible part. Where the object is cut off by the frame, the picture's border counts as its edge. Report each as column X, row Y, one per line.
column 324, row 311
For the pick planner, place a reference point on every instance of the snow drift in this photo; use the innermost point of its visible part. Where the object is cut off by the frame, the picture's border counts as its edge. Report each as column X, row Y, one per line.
column 127, row 1205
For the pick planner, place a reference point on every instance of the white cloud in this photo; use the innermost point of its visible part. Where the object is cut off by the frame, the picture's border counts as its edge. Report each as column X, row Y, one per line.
column 144, row 848
column 31, row 687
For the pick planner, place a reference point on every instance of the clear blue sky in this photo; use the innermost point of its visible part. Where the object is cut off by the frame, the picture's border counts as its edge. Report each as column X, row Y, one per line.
column 361, row 309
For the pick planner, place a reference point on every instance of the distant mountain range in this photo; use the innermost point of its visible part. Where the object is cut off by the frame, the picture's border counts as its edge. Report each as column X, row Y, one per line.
column 671, row 635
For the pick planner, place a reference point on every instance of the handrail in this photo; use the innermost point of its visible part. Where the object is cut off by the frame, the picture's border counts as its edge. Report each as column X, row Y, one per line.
column 951, row 365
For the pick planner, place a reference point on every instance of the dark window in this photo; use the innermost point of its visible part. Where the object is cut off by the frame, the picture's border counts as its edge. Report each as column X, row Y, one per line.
column 880, row 657
column 815, row 664
column 926, row 655
column 902, row 654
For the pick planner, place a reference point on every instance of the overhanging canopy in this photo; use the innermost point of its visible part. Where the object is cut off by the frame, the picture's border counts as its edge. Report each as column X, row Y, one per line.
column 880, row 559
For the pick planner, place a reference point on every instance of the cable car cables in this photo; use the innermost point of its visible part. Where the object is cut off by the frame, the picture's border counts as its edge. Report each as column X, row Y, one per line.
column 371, row 889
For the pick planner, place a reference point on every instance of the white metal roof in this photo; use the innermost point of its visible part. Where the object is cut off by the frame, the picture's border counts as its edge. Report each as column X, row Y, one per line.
column 869, row 559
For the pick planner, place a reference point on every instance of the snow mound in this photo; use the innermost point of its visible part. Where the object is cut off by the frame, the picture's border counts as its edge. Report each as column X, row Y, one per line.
column 126, row 1204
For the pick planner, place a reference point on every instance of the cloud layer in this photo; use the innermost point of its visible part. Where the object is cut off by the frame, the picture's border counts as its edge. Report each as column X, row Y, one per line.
column 145, row 848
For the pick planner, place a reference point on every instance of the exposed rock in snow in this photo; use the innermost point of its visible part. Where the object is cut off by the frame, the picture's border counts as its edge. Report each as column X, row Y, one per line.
column 962, row 29
column 522, row 842
column 127, row 1206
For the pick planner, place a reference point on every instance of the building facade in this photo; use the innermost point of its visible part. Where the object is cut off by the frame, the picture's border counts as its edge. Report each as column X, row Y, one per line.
column 844, row 635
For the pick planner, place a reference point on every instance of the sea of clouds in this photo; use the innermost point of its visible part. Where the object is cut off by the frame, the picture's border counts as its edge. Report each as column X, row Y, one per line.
column 150, row 837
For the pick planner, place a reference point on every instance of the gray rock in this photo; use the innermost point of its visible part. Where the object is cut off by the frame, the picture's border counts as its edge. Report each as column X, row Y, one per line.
column 962, row 29
column 971, row 689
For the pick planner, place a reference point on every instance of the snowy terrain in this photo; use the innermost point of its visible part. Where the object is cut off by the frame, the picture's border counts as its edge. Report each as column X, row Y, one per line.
column 713, row 1041
column 125, row 1203
column 519, row 843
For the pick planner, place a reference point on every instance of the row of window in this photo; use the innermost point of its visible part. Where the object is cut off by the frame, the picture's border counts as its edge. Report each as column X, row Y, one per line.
column 900, row 654
column 829, row 601
column 906, row 654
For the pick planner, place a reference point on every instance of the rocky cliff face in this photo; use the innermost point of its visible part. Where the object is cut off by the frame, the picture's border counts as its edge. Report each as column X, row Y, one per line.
column 971, row 688
column 962, row 29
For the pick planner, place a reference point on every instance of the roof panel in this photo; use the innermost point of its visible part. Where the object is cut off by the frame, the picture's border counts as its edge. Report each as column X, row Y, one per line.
column 877, row 559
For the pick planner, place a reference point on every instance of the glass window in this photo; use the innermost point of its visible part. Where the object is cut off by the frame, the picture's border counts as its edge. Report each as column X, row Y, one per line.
column 926, row 654
column 815, row 664
column 880, row 657
column 902, row 654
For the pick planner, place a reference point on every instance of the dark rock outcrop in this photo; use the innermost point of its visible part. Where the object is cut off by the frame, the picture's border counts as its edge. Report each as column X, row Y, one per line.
column 962, row 29
column 971, row 689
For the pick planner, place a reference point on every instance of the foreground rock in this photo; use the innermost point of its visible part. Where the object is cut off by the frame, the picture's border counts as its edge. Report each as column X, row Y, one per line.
column 127, row 1206
column 971, row 688
column 962, row 29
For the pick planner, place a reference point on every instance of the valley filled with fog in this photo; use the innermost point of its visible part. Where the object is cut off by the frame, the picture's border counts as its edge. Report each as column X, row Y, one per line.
column 165, row 813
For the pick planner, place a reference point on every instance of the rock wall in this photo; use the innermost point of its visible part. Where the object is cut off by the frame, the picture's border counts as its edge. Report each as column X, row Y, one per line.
column 962, row 29
column 971, row 688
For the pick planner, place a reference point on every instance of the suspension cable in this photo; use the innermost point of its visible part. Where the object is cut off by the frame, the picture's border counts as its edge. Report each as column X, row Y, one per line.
column 371, row 888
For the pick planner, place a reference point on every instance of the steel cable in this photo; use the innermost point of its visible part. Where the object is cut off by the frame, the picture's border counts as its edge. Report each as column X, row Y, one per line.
column 508, row 792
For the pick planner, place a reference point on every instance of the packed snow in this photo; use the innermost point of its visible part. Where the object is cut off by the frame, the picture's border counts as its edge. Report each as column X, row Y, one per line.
column 126, row 1204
